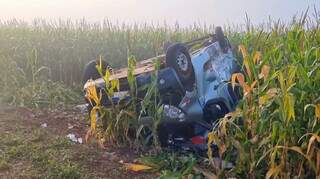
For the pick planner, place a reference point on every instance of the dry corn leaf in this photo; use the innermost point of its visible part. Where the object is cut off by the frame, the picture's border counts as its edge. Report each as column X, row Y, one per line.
column 263, row 99
column 136, row 167
column 240, row 78
column 223, row 127
column 297, row 149
column 317, row 111
column 244, row 51
column 243, row 84
column 253, row 84
column 222, row 149
column 233, row 80
column 89, row 135
column 210, row 141
column 272, row 92
column 237, row 76
column 93, row 118
column 91, row 92
column 311, row 141
column 265, row 72
column 246, row 89
column 271, row 172
column 245, row 55
column 257, row 57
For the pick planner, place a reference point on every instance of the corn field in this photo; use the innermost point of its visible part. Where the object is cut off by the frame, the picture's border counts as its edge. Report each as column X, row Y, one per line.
column 65, row 46
column 275, row 129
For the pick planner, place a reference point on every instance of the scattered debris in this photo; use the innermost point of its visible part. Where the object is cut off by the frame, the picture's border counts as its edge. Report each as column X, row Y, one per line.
column 136, row 167
column 44, row 125
column 80, row 140
column 82, row 108
column 70, row 126
column 73, row 138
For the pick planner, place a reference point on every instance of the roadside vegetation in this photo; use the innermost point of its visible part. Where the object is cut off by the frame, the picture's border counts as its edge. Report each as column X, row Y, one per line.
column 274, row 131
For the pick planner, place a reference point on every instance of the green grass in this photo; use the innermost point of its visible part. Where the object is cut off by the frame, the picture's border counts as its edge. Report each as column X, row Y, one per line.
column 50, row 158
column 4, row 166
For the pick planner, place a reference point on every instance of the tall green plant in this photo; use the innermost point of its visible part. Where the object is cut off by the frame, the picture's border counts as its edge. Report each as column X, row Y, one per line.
column 272, row 130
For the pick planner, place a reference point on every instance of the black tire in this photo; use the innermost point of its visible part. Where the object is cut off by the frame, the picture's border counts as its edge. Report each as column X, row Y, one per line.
column 178, row 57
column 91, row 72
column 166, row 45
column 214, row 111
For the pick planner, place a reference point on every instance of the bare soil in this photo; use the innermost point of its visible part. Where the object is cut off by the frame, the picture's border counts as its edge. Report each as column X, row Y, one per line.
column 30, row 150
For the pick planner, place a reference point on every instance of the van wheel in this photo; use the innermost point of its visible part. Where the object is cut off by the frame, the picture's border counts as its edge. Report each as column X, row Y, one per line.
column 91, row 72
column 178, row 57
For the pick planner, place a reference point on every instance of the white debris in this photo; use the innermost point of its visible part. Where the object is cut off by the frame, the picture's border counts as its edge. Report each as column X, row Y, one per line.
column 72, row 137
column 70, row 126
column 80, row 140
column 44, row 125
column 83, row 108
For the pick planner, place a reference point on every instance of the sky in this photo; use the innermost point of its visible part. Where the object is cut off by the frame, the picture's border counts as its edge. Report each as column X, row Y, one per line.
column 186, row 12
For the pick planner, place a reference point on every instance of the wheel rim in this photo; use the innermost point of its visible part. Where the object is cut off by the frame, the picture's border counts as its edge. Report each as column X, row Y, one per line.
column 182, row 62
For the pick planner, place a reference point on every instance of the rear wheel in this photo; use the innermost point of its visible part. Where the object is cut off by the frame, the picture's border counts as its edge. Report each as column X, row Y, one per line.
column 91, row 72
column 178, row 57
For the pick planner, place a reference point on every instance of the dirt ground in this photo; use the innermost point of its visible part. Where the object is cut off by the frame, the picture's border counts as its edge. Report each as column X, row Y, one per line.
column 35, row 145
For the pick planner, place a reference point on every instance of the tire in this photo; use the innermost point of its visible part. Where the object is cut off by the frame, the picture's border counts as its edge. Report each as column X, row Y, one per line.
column 91, row 72
column 214, row 111
column 178, row 58
column 166, row 45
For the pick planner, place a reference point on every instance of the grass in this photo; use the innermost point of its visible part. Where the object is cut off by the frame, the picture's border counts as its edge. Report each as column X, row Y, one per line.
column 50, row 160
column 172, row 165
column 4, row 165
column 31, row 87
